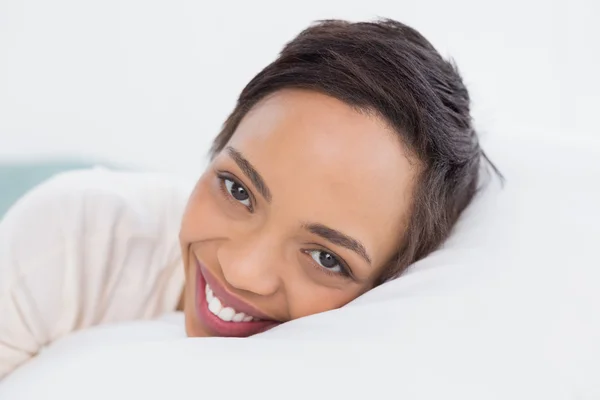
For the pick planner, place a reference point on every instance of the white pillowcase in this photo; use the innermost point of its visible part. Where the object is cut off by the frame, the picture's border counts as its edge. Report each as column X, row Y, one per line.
column 507, row 309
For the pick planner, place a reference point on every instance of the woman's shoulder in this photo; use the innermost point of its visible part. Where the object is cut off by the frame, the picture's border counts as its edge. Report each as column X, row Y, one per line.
column 85, row 248
column 117, row 218
column 98, row 229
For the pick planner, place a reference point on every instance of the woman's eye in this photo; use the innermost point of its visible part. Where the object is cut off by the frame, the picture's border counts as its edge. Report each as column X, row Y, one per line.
column 327, row 261
column 237, row 191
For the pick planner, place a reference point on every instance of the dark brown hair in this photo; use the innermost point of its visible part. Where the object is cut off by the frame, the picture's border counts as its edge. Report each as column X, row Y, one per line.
column 390, row 69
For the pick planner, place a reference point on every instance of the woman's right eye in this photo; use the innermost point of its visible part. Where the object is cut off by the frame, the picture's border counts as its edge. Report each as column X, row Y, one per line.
column 237, row 191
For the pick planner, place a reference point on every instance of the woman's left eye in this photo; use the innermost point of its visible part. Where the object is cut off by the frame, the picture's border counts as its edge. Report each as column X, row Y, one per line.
column 327, row 261
column 237, row 191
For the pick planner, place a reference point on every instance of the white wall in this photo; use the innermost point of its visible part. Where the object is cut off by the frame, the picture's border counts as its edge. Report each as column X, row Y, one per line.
column 149, row 82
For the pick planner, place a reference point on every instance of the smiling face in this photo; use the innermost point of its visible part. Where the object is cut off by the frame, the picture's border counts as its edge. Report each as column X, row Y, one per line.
column 297, row 215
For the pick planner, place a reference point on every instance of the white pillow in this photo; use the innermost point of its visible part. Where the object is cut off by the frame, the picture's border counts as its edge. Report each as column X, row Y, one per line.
column 507, row 309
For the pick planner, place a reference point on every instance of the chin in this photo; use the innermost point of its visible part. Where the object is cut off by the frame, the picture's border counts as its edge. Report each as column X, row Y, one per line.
column 192, row 327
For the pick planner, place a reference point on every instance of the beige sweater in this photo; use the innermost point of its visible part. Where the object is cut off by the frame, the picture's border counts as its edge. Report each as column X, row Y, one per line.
column 87, row 248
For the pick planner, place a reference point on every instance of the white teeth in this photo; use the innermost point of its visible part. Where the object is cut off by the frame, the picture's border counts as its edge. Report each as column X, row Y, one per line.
column 214, row 306
column 227, row 314
column 238, row 317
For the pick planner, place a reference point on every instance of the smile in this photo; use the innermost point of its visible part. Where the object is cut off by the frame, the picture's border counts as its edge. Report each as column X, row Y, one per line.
column 224, row 314
column 215, row 306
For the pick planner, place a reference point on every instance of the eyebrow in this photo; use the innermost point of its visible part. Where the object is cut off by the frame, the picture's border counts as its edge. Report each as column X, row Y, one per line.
column 250, row 172
column 339, row 238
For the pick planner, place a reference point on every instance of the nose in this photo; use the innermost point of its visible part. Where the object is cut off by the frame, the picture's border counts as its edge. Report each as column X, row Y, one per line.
column 252, row 264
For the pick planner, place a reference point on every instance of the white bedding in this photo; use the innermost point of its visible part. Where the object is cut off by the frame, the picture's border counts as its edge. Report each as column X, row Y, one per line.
column 508, row 309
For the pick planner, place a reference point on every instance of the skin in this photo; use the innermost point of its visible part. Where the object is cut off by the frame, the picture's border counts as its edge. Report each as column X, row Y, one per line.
column 323, row 162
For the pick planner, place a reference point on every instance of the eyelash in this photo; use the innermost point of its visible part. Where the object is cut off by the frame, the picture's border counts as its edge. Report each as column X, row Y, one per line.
column 345, row 270
column 222, row 186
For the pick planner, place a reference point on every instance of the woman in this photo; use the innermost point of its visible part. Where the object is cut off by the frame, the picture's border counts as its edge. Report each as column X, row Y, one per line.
column 347, row 159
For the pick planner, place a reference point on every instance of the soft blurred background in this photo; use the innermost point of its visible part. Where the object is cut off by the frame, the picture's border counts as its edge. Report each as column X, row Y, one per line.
column 147, row 84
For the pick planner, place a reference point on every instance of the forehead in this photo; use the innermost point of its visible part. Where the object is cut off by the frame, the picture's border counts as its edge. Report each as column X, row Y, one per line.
column 327, row 162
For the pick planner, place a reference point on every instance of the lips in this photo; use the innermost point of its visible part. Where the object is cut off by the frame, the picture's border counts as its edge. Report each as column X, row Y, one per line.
column 218, row 326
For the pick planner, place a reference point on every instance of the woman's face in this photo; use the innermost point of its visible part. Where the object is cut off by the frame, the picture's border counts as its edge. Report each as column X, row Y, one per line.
column 297, row 215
